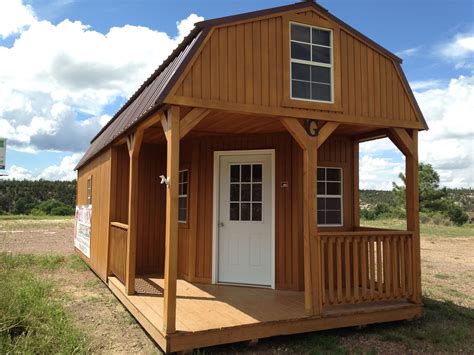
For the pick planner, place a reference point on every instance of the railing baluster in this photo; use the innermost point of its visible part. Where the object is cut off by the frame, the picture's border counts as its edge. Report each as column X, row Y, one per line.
column 339, row 271
column 379, row 269
column 323, row 269
column 410, row 265
column 372, row 267
column 347, row 264
column 402, row 265
column 394, row 249
column 363, row 250
column 386, row 267
column 331, row 269
column 355, row 255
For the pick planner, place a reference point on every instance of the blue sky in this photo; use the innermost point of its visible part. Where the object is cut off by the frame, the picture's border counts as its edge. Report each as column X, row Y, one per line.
column 51, row 114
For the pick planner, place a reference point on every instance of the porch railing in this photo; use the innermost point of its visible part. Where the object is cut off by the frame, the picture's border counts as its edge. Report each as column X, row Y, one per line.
column 366, row 266
column 118, row 249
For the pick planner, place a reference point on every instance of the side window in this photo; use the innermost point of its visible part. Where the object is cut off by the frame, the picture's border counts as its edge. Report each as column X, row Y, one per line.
column 89, row 190
column 183, row 196
column 330, row 197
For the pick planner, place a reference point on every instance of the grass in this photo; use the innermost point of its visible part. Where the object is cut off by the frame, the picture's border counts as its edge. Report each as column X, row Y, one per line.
column 427, row 230
column 23, row 217
column 31, row 320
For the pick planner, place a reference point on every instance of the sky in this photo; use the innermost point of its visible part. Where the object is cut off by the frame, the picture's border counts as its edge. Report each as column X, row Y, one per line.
column 66, row 66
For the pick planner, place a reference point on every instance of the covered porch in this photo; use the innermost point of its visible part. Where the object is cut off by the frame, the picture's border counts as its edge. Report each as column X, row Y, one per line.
column 335, row 276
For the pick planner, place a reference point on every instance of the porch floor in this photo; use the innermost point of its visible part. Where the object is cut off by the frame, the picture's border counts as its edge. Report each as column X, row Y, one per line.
column 216, row 314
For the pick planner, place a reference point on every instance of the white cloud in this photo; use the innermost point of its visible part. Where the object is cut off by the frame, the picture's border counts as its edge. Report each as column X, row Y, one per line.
column 460, row 50
column 57, row 80
column 379, row 173
column 63, row 171
column 408, row 52
column 425, row 84
column 14, row 17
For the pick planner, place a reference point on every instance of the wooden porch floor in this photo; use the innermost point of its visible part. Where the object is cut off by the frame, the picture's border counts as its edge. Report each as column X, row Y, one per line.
column 215, row 314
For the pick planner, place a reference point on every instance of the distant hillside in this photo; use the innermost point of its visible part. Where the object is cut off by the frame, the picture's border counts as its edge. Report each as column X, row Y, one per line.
column 370, row 198
column 21, row 196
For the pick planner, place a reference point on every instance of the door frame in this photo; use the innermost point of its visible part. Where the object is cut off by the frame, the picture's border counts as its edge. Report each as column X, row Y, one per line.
column 215, row 209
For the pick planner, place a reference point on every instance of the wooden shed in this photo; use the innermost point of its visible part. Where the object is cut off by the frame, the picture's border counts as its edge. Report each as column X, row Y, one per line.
column 225, row 192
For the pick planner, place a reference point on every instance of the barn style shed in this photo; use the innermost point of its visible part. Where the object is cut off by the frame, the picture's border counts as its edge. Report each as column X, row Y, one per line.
column 225, row 192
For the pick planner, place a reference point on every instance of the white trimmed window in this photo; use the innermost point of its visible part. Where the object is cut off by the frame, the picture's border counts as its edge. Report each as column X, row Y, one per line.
column 330, row 197
column 311, row 63
column 89, row 190
column 183, row 196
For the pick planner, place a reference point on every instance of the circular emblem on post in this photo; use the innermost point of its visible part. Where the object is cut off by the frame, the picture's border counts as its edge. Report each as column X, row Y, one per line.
column 311, row 127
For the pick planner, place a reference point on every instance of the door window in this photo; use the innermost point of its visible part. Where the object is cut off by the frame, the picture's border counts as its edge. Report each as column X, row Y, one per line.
column 246, row 188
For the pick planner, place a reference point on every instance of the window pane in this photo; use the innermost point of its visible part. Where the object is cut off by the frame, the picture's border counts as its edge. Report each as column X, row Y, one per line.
column 321, row 37
column 184, row 176
column 256, row 212
column 300, row 33
column 333, row 217
column 300, row 89
column 321, row 217
column 245, row 212
column 235, row 173
column 245, row 192
column 300, row 71
column 320, row 74
column 300, row 51
column 321, row 174
column 333, row 188
column 257, row 192
column 182, row 215
column 334, row 174
column 321, row 188
column 182, row 202
column 245, row 173
column 321, row 92
column 321, row 203
column 184, row 189
column 234, row 192
column 320, row 54
column 333, row 204
column 257, row 172
column 234, row 212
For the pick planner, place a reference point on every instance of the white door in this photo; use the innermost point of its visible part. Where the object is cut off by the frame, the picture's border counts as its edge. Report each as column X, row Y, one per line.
column 245, row 245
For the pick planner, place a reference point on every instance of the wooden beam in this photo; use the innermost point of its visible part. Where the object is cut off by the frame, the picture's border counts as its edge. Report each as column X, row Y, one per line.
column 402, row 140
column 296, row 130
column 326, row 130
column 191, row 120
column 372, row 135
column 171, row 234
column 164, row 123
column 412, row 210
column 134, row 142
column 355, row 186
column 311, row 242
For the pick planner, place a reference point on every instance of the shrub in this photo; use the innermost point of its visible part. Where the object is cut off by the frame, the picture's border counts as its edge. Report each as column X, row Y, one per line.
column 52, row 208
column 457, row 215
column 440, row 219
column 62, row 211
column 37, row 212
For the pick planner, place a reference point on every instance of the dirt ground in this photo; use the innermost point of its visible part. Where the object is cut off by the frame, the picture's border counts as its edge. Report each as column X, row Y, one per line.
column 447, row 269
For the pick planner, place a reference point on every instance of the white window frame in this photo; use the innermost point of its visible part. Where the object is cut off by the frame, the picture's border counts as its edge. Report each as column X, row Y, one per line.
column 89, row 190
column 183, row 195
column 341, row 196
column 310, row 62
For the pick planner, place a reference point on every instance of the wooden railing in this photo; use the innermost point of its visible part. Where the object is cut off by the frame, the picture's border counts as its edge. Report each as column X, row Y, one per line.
column 366, row 266
column 118, row 249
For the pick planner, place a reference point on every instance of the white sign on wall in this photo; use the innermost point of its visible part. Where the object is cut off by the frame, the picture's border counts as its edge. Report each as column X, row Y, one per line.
column 3, row 152
column 82, row 229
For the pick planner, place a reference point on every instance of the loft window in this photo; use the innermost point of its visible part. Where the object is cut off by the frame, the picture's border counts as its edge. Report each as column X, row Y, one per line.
column 89, row 190
column 330, row 197
column 183, row 196
column 311, row 63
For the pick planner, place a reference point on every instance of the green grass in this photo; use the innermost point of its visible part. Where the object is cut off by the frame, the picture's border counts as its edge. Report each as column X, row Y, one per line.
column 75, row 263
column 427, row 230
column 31, row 320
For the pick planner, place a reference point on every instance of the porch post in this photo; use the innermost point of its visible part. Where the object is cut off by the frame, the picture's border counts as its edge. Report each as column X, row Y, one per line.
column 355, row 187
column 172, row 132
column 412, row 211
column 134, row 142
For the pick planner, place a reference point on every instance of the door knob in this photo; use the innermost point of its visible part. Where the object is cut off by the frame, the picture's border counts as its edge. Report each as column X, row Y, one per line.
column 221, row 224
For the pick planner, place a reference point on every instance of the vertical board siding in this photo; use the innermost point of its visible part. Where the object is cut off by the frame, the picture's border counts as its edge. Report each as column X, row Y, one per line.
column 100, row 170
column 243, row 63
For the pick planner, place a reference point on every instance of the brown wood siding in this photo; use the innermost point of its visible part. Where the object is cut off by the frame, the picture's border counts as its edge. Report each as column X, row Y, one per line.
column 243, row 65
column 121, row 173
column 337, row 151
column 100, row 171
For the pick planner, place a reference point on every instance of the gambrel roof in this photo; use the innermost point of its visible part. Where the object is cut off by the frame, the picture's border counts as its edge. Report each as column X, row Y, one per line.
column 150, row 97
